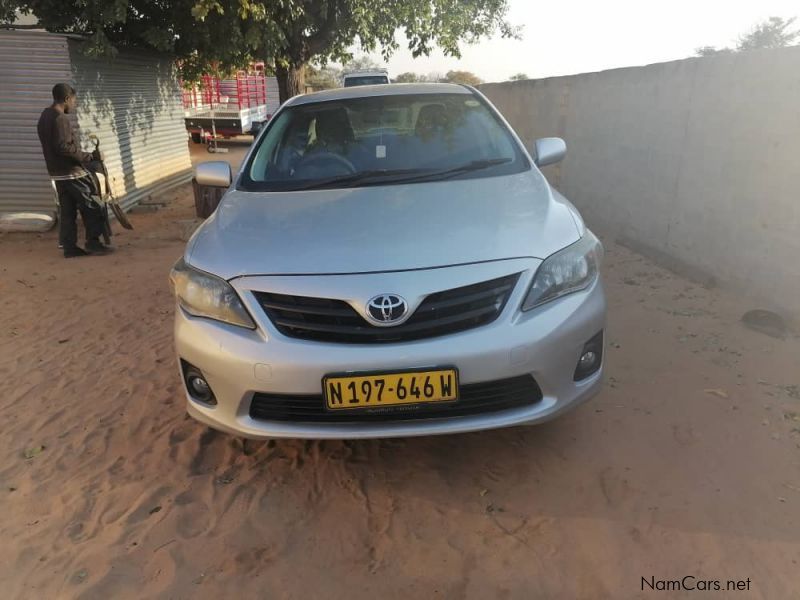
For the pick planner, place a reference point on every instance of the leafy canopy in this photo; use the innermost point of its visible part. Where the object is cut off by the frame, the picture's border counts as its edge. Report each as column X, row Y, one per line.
column 360, row 63
column 772, row 33
column 775, row 32
column 228, row 34
column 465, row 77
column 408, row 77
column 322, row 78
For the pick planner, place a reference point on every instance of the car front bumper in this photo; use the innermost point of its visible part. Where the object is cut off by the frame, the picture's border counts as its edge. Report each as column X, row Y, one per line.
column 545, row 343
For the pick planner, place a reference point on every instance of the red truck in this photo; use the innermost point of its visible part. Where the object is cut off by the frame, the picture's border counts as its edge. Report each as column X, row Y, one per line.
column 224, row 108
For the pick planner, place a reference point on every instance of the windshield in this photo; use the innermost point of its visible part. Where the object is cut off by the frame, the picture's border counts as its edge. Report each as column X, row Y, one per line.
column 353, row 80
column 382, row 140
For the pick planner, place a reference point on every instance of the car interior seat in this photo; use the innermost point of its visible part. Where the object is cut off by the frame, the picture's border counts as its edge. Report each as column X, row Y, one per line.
column 333, row 128
column 432, row 118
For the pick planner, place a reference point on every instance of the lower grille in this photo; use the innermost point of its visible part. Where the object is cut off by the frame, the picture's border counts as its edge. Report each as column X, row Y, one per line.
column 475, row 398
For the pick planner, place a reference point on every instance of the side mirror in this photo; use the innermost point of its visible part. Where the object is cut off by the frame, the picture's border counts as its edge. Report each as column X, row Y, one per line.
column 214, row 174
column 549, row 151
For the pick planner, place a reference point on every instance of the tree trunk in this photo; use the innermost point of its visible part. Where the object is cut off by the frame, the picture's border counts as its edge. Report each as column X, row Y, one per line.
column 291, row 81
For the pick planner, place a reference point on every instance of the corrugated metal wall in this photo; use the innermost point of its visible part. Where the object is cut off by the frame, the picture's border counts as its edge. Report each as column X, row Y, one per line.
column 30, row 64
column 133, row 104
column 273, row 96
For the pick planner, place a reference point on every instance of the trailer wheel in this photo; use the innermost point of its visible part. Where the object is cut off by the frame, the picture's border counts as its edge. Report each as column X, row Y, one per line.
column 196, row 138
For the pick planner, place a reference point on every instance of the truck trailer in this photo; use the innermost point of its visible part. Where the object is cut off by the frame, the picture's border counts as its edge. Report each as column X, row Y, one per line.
column 224, row 108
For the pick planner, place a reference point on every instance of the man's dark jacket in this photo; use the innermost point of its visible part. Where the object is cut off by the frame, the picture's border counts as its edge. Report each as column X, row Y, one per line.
column 62, row 154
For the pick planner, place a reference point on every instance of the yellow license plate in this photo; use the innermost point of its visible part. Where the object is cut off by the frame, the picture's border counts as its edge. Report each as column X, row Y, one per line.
column 390, row 389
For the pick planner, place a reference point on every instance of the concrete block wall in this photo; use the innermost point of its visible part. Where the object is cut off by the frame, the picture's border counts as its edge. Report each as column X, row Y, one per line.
column 694, row 162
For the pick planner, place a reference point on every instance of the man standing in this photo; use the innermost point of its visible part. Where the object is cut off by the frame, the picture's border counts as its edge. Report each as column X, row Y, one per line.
column 65, row 163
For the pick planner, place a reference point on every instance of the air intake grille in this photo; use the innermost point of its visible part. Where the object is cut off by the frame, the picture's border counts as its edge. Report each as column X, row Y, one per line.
column 442, row 313
column 476, row 398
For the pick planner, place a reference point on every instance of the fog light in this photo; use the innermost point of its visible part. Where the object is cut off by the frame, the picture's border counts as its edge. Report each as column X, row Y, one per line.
column 590, row 359
column 587, row 360
column 196, row 384
column 199, row 386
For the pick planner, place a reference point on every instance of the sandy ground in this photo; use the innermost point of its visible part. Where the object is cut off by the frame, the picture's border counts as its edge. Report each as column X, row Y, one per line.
column 236, row 149
column 688, row 463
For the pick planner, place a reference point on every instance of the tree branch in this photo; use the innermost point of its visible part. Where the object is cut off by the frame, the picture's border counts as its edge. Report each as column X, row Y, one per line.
column 317, row 42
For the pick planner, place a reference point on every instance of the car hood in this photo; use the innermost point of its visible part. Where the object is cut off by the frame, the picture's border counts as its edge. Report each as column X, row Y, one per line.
column 383, row 228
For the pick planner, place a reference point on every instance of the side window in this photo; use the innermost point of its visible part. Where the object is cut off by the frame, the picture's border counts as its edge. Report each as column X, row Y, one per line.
column 266, row 156
column 289, row 139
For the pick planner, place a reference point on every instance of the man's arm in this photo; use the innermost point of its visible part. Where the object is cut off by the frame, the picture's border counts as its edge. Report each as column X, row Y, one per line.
column 65, row 142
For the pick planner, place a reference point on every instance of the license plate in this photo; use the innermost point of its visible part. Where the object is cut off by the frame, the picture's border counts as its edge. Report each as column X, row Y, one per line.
column 390, row 389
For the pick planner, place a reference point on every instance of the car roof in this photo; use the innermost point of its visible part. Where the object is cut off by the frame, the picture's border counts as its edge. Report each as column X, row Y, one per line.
column 384, row 89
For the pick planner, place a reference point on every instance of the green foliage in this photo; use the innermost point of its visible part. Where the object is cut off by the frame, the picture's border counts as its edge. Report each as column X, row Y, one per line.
column 464, row 77
column 360, row 63
column 8, row 10
column 408, row 77
column 711, row 51
column 519, row 77
column 227, row 34
column 772, row 33
column 322, row 78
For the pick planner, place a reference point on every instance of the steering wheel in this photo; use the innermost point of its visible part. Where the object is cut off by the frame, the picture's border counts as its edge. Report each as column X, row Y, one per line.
column 322, row 159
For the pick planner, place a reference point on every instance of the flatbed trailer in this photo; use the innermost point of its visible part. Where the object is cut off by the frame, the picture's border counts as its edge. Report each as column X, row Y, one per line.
column 224, row 108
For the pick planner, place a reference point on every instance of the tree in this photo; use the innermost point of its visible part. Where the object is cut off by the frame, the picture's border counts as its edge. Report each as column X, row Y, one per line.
column 8, row 11
column 464, row 77
column 408, row 77
column 772, row 33
column 519, row 77
column 711, row 51
column 361, row 63
column 221, row 35
column 322, row 78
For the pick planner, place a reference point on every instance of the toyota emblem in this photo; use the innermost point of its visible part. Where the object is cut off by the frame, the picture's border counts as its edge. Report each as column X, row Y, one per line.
column 386, row 309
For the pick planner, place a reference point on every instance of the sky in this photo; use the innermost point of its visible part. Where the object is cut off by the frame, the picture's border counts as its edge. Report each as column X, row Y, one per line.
column 563, row 37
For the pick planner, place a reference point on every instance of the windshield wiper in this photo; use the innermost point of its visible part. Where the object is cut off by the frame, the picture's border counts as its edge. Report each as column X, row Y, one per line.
column 374, row 176
column 399, row 175
column 475, row 165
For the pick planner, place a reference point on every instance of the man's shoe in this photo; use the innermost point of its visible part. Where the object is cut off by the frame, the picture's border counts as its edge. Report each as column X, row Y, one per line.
column 74, row 252
column 97, row 247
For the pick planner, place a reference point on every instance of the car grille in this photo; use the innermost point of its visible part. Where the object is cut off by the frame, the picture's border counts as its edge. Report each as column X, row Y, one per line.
column 476, row 398
column 440, row 313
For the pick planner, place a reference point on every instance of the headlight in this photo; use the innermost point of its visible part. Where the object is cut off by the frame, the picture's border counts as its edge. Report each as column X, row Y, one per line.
column 569, row 270
column 204, row 295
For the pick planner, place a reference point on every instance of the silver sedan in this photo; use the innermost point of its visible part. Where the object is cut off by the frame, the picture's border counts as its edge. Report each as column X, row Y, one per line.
column 389, row 261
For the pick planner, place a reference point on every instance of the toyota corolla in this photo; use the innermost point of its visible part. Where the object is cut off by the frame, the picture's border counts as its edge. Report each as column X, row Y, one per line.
column 388, row 261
